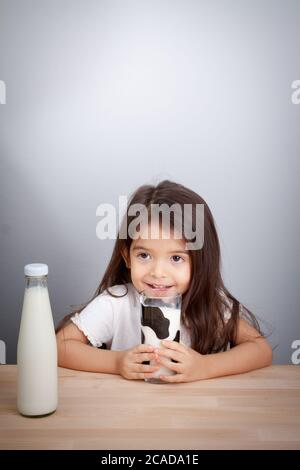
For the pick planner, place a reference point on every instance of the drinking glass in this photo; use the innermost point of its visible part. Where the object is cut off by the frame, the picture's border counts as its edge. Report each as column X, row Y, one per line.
column 160, row 320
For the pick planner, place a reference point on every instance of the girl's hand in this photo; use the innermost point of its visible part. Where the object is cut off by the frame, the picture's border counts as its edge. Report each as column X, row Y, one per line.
column 190, row 364
column 130, row 362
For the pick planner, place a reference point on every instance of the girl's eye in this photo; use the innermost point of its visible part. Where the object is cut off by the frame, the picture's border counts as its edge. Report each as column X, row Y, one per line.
column 145, row 256
column 177, row 258
column 142, row 255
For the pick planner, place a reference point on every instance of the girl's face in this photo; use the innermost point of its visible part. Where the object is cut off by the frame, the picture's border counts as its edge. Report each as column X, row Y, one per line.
column 159, row 266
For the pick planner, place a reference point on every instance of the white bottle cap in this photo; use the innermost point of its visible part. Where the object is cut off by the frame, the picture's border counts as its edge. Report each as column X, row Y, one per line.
column 36, row 269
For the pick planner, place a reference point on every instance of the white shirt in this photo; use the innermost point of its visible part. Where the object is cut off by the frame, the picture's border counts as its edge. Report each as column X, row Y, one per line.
column 116, row 322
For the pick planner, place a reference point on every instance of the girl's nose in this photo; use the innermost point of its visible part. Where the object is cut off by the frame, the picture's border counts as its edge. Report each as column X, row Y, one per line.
column 158, row 270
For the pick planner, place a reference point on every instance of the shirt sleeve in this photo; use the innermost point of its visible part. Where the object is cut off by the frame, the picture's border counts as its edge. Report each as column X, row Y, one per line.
column 96, row 321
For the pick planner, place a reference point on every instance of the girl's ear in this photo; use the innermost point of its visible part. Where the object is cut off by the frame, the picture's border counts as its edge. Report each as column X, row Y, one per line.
column 126, row 257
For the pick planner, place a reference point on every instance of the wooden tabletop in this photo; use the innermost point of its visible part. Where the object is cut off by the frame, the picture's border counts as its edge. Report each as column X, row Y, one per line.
column 257, row 410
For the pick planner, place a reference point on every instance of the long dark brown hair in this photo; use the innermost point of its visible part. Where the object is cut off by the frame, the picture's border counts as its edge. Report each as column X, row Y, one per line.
column 202, row 304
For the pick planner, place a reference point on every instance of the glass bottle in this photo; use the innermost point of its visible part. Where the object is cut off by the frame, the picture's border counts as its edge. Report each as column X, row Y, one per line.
column 37, row 390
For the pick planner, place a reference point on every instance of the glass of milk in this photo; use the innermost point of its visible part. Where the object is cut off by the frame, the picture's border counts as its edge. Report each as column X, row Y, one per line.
column 160, row 320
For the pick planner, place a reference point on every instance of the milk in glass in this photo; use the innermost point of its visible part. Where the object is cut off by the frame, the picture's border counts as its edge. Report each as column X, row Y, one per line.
column 160, row 320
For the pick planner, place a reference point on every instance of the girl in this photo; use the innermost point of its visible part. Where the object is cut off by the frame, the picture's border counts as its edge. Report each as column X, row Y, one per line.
column 219, row 336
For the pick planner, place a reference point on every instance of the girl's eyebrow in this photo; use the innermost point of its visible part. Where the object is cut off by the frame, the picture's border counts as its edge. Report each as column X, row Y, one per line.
column 147, row 249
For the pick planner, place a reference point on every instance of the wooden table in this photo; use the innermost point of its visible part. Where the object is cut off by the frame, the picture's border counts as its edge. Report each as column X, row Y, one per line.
column 257, row 410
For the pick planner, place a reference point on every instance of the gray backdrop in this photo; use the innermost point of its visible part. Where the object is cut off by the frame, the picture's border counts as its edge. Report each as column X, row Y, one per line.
column 103, row 96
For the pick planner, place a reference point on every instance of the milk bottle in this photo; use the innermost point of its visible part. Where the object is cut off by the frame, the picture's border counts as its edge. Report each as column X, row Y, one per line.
column 37, row 352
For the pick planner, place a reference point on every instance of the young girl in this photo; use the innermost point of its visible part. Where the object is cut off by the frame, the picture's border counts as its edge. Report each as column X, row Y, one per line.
column 219, row 336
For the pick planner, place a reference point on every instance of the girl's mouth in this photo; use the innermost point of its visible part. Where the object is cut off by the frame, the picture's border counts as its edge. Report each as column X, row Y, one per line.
column 158, row 288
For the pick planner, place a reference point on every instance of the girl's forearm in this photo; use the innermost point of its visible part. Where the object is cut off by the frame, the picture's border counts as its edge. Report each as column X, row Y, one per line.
column 242, row 358
column 74, row 354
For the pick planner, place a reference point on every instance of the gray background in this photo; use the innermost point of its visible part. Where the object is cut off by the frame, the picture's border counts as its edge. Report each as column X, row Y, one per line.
column 103, row 96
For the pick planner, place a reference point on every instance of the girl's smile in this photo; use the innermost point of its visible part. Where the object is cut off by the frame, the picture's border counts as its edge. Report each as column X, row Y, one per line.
column 159, row 289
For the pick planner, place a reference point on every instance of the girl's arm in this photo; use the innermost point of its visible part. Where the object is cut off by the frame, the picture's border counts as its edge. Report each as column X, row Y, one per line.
column 74, row 352
column 251, row 352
